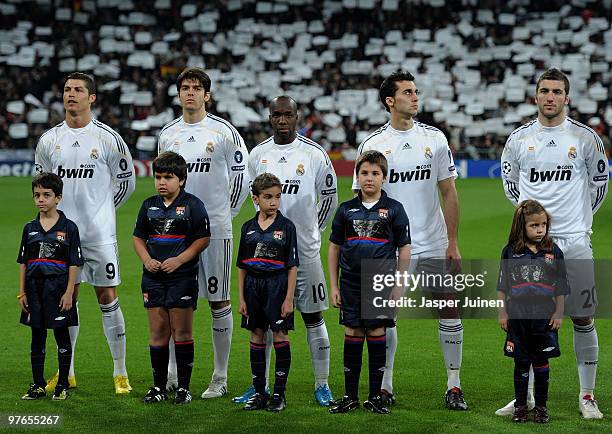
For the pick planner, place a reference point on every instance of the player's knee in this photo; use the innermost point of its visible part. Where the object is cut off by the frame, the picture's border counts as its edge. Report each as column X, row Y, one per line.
column 106, row 295
column 280, row 336
column 311, row 318
column 379, row 331
column 354, row 331
column 257, row 336
column 582, row 321
column 159, row 337
column 218, row 304
column 182, row 335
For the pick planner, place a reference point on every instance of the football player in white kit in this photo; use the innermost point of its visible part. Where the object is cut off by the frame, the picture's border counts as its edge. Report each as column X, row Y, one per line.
column 309, row 199
column 421, row 165
column 96, row 167
column 216, row 160
column 562, row 164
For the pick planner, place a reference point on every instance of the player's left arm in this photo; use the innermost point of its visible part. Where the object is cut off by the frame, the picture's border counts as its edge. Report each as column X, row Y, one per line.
column 75, row 261
column 401, row 237
column 121, row 168
column 326, row 185
column 237, row 159
column 446, row 174
column 597, row 170
column 291, row 262
column 287, row 306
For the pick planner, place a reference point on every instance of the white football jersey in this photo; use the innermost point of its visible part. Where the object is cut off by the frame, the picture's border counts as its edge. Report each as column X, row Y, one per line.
column 418, row 158
column 96, row 167
column 564, row 168
column 309, row 195
column 216, row 161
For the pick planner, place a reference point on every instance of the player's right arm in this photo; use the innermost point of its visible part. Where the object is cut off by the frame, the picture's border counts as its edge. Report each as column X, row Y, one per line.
column 336, row 240
column 243, row 308
column 42, row 156
column 21, row 259
column 502, row 289
column 510, row 170
column 140, row 247
column 241, row 272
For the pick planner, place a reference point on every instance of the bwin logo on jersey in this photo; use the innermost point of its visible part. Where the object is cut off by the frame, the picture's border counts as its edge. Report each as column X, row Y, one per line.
column 563, row 173
column 291, row 186
column 201, row 165
column 85, row 171
column 421, row 173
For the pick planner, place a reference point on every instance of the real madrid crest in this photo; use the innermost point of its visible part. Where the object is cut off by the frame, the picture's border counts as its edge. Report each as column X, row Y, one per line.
column 300, row 169
column 572, row 152
column 94, row 154
column 210, row 148
column 428, row 152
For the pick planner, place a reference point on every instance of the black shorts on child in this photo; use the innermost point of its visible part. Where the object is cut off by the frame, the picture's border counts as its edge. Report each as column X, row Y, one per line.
column 351, row 303
column 166, row 290
column 264, row 297
column 44, row 295
column 531, row 340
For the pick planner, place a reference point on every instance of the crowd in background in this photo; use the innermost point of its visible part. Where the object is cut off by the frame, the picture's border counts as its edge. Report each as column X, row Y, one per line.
column 468, row 58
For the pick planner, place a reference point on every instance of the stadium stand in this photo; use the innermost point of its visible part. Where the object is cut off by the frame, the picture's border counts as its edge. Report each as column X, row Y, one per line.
column 475, row 64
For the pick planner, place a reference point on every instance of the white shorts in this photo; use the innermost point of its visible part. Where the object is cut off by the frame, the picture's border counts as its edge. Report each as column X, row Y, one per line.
column 578, row 253
column 215, row 270
column 101, row 265
column 311, row 289
column 431, row 262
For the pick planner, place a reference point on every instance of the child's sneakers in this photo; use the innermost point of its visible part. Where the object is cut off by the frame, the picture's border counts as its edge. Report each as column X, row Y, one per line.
column 343, row 405
column 60, row 393
column 155, row 394
column 540, row 414
column 182, row 396
column 259, row 401
column 521, row 414
column 376, row 404
column 277, row 403
column 34, row 392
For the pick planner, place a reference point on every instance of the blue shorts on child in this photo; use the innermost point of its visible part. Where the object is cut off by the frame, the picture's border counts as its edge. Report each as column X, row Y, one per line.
column 44, row 295
column 169, row 290
column 264, row 297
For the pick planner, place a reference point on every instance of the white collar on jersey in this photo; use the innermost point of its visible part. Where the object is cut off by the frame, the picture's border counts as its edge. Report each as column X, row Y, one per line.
column 559, row 127
column 295, row 142
column 393, row 130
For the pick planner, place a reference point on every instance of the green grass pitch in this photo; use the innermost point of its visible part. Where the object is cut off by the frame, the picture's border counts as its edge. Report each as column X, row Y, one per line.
column 420, row 376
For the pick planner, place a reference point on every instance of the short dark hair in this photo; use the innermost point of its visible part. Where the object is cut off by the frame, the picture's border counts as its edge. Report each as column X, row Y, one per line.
column 518, row 237
column 554, row 74
column 48, row 180
column 90, row 83
column 263, row 182
column 389, row 86
column 372, row 157
column 171, row 162
column 196, row 74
